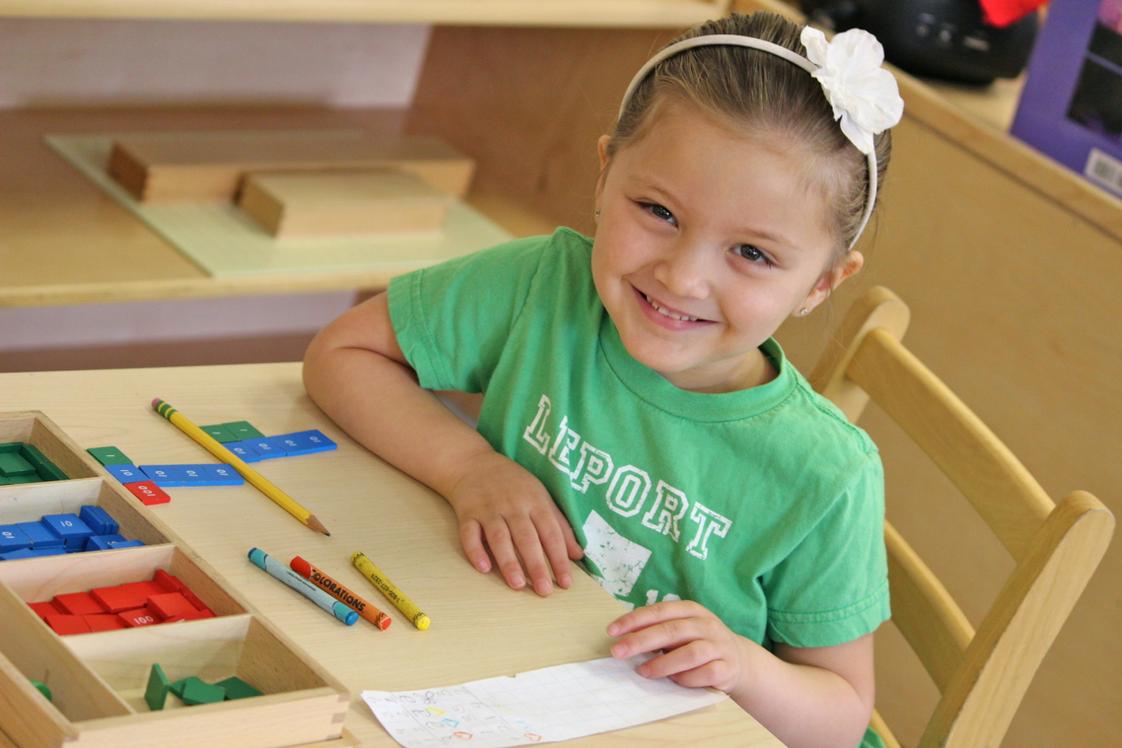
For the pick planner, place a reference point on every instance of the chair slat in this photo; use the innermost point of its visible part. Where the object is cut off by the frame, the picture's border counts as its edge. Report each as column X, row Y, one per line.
column 1030, row 609
column 877, row 307
column 1002, row 491
column 924, row 611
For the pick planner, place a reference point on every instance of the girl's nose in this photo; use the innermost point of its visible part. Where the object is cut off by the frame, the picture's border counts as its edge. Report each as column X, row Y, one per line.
column 684, row 270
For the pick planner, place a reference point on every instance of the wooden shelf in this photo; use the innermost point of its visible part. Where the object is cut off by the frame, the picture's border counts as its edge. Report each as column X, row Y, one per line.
column 588, row 13
column 69, row 243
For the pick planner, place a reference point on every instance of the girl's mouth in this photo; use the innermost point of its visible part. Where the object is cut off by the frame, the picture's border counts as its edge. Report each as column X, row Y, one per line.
column 667, row 316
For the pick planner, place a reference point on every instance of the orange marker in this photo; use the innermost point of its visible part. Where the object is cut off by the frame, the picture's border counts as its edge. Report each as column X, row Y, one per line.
column 340, row 593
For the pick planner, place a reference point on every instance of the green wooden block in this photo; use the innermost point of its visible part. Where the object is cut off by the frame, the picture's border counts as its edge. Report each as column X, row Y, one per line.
column 109, row 456
column 198, row 691
column 156, row 693
column 46, row 469
column 236, row 688
column 13, row 464
column 43, row 688
column 11, row 447
column 178, row 686
column 220, row 433
column 242, row 430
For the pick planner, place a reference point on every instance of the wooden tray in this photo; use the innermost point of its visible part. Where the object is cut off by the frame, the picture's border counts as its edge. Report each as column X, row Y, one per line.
column 97, row 680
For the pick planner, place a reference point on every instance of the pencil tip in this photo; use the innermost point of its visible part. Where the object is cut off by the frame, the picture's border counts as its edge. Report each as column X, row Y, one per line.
column 316, row 525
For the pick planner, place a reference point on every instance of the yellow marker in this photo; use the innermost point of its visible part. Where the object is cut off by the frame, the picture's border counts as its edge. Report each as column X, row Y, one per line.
column 260, row 482
column 407, row 607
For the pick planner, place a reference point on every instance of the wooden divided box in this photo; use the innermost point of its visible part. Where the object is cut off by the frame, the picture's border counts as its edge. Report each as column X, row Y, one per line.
column 98, row 680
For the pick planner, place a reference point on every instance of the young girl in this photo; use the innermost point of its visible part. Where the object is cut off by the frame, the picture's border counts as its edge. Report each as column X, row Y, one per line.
column 637, row 412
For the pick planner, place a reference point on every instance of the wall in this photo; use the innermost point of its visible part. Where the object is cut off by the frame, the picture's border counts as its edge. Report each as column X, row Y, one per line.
column 176, row 63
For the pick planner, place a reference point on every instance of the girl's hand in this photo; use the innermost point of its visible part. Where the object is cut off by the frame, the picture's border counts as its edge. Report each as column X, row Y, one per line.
column 699, row 649
column 499, row 501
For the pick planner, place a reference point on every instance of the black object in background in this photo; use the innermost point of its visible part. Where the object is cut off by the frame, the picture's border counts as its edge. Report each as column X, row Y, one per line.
column 945, row 39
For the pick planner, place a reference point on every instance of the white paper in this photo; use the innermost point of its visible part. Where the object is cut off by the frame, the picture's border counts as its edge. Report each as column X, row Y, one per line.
column 539, row 706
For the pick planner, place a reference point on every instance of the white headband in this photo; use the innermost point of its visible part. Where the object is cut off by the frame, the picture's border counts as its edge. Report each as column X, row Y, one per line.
column 863, row 95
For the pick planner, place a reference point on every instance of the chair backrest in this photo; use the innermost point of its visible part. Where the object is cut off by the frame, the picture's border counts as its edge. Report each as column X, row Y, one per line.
column 981, row 675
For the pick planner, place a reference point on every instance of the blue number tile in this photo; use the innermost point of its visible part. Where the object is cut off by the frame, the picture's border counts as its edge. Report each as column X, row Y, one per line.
column 220, row 475
column 98, row 519
column 69, row 527
column 101, row 542
column 12, row 538
column 126, row 473
column 245, row 451
column 114, row 544
column 266, row 448
column 40, row 535
column 304, row 442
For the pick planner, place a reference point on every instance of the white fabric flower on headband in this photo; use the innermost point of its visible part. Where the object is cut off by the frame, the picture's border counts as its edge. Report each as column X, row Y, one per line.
column 863, row 94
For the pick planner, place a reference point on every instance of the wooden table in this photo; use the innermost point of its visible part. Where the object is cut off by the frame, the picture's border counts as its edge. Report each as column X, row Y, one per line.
column 480, row 628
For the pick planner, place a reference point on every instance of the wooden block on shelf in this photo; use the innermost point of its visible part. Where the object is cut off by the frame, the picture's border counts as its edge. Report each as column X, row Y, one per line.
column 208, row 166
column 302, row 204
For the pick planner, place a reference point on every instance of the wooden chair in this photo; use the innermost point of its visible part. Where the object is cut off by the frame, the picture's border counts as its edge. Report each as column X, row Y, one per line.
column 981, row 675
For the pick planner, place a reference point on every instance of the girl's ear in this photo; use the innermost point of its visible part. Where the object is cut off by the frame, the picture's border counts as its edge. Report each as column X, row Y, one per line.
column 602, row 152
column 849, row 266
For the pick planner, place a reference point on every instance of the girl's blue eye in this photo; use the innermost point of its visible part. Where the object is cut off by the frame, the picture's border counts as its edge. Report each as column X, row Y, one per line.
column 660, row 212
column 751, row 253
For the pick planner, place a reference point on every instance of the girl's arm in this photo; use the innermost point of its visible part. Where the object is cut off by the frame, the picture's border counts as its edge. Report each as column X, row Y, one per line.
column 805, row 696
column 355, row 371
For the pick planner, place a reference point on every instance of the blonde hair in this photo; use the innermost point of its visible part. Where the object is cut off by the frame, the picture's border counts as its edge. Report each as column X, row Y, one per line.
column 758, row 91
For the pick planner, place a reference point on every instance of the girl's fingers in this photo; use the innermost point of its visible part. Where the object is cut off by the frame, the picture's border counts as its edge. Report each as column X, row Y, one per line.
column 471, row 538
column 553, row 541
column 572, row 547
column 648, row 615
column 529, row 546
column 689, row 657
column 712, row 674
column 499, row 541
column 663, row 635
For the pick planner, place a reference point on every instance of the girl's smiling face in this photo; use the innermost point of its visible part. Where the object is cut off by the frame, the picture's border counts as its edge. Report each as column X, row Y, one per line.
column 707, row 240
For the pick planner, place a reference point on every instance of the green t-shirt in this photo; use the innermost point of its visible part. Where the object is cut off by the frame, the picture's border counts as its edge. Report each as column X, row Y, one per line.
column 764, row 505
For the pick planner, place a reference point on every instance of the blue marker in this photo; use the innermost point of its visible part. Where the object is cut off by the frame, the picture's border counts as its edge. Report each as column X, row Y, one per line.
column 279, row 571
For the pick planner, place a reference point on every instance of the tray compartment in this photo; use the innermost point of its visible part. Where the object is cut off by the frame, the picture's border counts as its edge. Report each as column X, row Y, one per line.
column 32, row 427
column 40, row 579
column 29, row 649
column 298, row 705
column 27, row 502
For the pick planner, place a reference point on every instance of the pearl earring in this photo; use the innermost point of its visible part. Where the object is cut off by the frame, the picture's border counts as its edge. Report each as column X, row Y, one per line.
column 596, row 214
column 803, row 312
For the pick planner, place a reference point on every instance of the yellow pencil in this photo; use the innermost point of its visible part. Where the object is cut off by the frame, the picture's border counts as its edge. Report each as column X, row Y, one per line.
column 407, row 607
column 260, row 482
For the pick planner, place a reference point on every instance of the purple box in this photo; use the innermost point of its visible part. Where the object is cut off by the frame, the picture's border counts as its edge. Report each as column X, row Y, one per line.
column 1071, row 106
